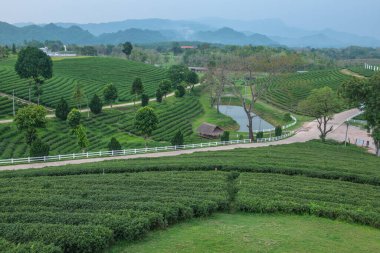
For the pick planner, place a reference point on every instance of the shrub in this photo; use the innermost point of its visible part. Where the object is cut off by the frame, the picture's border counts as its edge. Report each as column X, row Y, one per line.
column 287, row 117
column 74, row 118
column 225, row 136
column 180, row 92
column 39, row 148
column 260, row 135
column 62, row 109
column 96, row 104
column 144, row 100
column 278, row 131
column 114, row 144
column 177, row 139
column 159, row 96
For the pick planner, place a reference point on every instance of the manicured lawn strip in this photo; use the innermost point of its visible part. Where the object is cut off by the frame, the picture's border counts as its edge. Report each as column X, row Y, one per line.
column 257, row 233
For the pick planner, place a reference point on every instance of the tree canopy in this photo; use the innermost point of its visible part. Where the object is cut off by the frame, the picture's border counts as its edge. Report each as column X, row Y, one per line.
column 146, row 121
column 321, row 104
column 366, row 94
column 127, row 48
column 110, row 93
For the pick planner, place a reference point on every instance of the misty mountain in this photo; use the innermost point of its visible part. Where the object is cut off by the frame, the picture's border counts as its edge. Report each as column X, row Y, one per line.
column 231, row 37
column 74, row 35
column 133, row 35
column 271, row 32
column 144, row 24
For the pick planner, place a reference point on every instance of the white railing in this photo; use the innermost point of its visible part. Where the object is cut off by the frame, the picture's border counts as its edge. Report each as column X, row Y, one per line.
column 126, row 152
column 284, row 127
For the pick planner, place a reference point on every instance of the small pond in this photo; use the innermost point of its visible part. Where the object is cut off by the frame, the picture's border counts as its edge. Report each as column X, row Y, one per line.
column 238, row 114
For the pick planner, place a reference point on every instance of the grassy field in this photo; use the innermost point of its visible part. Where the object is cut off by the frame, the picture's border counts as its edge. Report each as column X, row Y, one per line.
column 288, row 90
column 257, row 233
column 81, row 208
column 93, row 73
column 174, row 114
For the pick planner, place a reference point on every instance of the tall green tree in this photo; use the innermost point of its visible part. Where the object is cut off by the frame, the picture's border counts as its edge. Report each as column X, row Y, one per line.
column 78, row 95
column 146, row 121
column 114, row 144
column 137, row 88
column 178, row 74
column 165, row 86
column 144, row 100
column 29, row 119
column 62, row 109
column 110, row 93
column 180, row 92
column 127, row 48
column 14, row 51
column 34, row 64
column 192, row 78
column 80, row 132
column 159, row 96
column 39, row 148
column 321, row 104
column 178, row 139
column 96, row 104
column 74, row 118
column 366, row 94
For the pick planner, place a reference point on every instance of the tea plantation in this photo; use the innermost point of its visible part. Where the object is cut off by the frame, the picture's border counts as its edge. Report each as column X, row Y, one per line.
column 174, row 114
column 92, row 73
column 286, row 91
column 87, row 208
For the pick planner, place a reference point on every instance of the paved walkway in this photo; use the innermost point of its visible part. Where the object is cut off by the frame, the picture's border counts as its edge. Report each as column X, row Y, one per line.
column 308, row 132
column 6, row 121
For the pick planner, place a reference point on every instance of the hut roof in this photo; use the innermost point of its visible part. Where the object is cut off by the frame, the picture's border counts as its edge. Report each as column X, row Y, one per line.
column 209, row 130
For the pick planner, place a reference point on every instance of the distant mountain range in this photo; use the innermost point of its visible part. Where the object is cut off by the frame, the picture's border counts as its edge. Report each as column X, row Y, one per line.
column 211, row 30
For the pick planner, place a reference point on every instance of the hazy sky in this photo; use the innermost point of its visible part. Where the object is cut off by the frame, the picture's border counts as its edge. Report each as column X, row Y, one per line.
column 357, row 16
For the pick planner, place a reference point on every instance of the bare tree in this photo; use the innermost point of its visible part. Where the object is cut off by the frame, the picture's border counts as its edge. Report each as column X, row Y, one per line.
column 251, row 64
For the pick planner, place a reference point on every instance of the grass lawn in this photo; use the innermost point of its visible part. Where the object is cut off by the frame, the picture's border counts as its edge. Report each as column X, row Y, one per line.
column 211, row 116
column 258, row 233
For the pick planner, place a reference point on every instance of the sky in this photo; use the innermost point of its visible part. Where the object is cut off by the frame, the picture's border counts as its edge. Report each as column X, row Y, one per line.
column 355, row 16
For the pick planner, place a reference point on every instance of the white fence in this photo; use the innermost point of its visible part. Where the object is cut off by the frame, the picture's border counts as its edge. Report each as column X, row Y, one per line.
column 284, row 127
column 126, row 152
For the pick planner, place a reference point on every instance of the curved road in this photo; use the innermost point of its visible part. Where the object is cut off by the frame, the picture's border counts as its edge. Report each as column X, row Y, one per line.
column 308, row 132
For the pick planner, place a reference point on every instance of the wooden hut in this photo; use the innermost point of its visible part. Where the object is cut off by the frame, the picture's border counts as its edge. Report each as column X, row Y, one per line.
column 209, row 131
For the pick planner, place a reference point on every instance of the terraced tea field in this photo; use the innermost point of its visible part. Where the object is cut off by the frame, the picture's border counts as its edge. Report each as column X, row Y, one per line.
column 288, row 90
column 6, row 107
column 93, row 73
column 86, row 208
column 174, row 114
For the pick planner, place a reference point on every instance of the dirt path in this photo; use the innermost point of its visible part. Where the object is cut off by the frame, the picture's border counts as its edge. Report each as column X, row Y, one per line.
column 6, row 121
column 351, row 73
column 308, row 132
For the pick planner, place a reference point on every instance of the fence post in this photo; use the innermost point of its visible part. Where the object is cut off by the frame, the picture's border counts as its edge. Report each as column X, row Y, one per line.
column 59, row 157
column 124, row 151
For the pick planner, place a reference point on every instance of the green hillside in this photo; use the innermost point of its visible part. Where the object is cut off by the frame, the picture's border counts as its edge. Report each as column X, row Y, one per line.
column 174, row 114
column 287, row 91
column 86, row 208
column 93, row 73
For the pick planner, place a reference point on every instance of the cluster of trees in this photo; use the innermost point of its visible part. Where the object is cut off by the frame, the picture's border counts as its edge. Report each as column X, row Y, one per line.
column 365, row 93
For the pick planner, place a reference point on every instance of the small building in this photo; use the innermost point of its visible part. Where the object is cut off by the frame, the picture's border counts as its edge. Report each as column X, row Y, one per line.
column 188, row 47
column 210, row 131
column 198, row 69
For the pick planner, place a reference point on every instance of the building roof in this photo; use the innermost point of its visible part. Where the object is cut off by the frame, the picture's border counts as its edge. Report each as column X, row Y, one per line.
column 188, row 47
column 209, row 130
